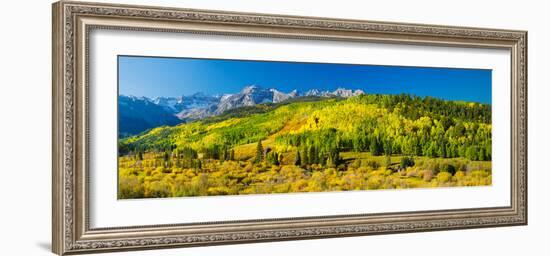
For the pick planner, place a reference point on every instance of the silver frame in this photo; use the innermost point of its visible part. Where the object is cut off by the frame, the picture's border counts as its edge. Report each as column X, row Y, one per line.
column 72, row 22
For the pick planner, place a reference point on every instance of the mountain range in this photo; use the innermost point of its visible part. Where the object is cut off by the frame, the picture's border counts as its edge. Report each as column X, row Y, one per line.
column 137, row 114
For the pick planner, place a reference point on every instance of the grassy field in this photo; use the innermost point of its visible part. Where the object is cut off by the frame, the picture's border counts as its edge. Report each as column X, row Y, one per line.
column 154, row 177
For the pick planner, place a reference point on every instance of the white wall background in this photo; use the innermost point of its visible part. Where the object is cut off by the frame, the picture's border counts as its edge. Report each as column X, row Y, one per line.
column 25, row 114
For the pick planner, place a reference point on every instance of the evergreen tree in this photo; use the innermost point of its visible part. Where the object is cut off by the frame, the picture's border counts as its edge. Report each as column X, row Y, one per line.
column 273, row 158
column 312, row 155
column 375, row 147
column 298, row 160
column 388, row 147
column 406, row 162
column 259, row 152
column 443, row 150
column 305, row 159
column 232, row 155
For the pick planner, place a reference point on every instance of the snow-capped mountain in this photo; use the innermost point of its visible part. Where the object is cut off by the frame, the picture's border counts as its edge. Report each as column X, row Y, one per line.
column 281, row 96
column 340, row 92
column 181, row 103
column 315, row 92
column 143, row 113
column 137, row 114
column 168, row 103
column 250, row 96
column 345, row 93
column 197, row 113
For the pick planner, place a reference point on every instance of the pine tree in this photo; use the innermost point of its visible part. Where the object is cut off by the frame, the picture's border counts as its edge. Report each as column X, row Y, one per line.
column 259, row 152
column 232, row 155
column 274, row 158
column 388, row 161
column 305, row 159
column 312, row 155
column 298, row 160
column 375, row 147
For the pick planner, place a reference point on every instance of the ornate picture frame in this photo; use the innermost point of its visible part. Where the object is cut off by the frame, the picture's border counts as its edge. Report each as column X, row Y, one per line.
column 72, row 24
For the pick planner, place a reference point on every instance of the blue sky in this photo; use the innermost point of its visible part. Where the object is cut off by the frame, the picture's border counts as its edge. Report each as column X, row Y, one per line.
column 158, row 76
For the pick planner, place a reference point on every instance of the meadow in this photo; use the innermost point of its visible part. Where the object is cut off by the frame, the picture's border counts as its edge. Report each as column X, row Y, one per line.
column 313, row 144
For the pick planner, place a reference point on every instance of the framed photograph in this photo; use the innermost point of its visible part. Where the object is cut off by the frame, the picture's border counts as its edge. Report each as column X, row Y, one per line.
column 178, row 127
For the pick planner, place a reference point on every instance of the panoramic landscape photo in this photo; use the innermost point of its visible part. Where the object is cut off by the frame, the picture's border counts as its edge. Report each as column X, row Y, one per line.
column 212, row 127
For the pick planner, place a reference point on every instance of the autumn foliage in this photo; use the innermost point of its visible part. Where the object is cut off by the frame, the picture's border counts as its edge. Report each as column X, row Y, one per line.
column 313, row 145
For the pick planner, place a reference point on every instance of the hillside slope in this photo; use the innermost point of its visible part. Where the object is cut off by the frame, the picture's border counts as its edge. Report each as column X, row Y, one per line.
column 382, row 123
column 313, row 144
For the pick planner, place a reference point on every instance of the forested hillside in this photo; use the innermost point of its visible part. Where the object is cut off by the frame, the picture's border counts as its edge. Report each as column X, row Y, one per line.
column 313, row 144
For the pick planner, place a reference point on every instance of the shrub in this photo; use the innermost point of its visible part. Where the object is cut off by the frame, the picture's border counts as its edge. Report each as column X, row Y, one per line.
column 356, row 163
column 373, row 164
column 130, row 187
column 375, row 181
column 317, row 183
column 427, row 175
column 459, row 174
column 447, row 167
column 411, row 172
column 406, row 162
column 444, row 177
column 157, row 189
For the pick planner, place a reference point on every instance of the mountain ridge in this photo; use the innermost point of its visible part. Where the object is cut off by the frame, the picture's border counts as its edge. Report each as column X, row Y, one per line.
column 199, row 105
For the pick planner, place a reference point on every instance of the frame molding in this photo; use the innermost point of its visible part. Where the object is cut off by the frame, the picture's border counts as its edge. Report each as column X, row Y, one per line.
column 72, row 22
